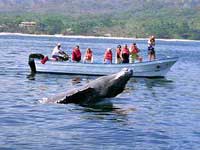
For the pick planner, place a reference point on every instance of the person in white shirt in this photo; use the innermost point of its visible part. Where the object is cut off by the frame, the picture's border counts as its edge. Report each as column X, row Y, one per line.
column 58, row 54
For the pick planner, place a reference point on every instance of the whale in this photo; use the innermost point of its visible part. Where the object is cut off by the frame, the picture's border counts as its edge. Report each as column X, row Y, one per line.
column 94, row 91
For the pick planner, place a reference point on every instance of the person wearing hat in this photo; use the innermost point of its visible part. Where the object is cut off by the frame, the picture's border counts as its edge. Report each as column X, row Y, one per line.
column 58, row 54
column 108, row 56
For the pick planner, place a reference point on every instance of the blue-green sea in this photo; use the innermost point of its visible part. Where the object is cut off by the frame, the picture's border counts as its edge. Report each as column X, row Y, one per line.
column 150, row 114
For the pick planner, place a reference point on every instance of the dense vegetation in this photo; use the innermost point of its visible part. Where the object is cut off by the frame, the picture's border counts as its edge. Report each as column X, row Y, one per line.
column 128, row 18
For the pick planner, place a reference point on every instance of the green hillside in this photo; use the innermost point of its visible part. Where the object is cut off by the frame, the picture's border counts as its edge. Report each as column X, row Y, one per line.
column 126, row 18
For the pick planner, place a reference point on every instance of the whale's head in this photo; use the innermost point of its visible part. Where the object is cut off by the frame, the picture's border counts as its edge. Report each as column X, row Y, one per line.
column 121, row 78
column 118, row 81
column 124, row 74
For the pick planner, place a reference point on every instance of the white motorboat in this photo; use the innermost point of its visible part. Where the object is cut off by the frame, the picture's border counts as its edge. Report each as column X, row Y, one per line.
column 156, row 68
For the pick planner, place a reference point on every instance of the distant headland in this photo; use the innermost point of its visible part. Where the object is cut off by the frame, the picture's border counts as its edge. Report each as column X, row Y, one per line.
column 165, row 19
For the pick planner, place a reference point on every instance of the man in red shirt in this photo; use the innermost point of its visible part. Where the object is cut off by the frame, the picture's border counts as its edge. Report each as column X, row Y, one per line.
column 125, row 54
column 76, row 54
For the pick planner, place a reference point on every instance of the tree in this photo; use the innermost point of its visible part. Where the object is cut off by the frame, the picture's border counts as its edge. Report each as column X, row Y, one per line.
column 53, row 25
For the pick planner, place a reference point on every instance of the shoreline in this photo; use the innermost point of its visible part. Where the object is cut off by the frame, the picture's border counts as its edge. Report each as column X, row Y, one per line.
column 92, row 37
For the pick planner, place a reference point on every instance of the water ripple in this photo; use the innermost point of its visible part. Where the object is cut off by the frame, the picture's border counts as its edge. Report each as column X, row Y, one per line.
column 150, row 113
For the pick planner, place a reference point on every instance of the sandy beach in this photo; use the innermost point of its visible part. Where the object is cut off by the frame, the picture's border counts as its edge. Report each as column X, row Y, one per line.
column 91, row 37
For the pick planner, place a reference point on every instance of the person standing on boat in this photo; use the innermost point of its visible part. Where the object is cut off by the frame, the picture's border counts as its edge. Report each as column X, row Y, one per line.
column 108, row 56
column 58, row 53
column 118, row 55
column 151, row 50
column 88, row 58
column 76, row 54
column 125, row 54
column 134, row 50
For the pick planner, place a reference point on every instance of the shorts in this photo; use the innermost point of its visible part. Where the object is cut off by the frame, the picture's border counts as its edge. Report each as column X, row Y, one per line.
column 125, row 58
column 151, row 51
column 124, row 61
column 55, row 56
column 108, row 61
column 87, row 61
column 118, row 60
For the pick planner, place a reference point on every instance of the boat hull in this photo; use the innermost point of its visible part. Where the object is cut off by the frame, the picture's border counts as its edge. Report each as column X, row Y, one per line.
column 157, row 68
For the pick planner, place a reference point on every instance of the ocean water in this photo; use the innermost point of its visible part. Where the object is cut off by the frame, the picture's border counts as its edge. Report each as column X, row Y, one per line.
column 150, row 114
